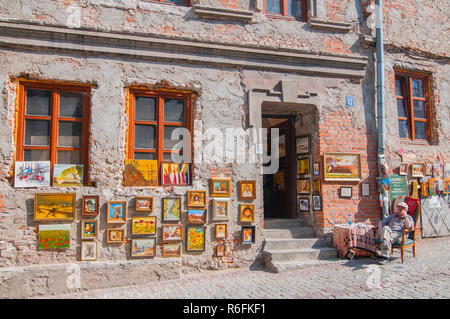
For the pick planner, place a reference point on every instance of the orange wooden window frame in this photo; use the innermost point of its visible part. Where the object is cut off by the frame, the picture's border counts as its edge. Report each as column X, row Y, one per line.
column 408, row 98
column 159, row 95
column 284, row 13
column 55, row 89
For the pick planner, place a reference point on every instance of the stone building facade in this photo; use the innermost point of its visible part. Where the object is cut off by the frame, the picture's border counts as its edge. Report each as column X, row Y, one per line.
column 244, row 65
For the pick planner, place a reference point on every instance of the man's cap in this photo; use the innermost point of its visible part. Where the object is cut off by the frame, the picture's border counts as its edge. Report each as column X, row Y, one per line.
column 403, row 204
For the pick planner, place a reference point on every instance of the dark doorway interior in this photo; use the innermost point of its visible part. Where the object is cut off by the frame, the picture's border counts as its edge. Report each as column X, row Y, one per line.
column 280, row 188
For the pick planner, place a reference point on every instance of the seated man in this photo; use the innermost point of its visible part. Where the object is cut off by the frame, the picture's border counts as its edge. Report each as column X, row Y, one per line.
column 391, row 230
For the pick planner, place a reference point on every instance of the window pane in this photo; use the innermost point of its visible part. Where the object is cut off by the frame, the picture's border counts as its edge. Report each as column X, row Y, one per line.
column 144, row 136
column 403, row 129
column 37, row 132
column 36, row 155
column 419, row 109
column 398, row 88
column 180, row 2
column 70, row 134
column 173, row 110
column 167, row 157
column 38, row 102
column 417, row 88
column 71, row 104
column 145, row 108
column 168, row 142
column 294, row 8
column 420, row 130
column 144, row 156
column 273, row 6
column 401, row 108
column 69, row 157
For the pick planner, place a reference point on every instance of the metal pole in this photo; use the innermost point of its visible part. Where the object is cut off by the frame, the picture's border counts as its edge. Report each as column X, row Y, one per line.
column 380, row 77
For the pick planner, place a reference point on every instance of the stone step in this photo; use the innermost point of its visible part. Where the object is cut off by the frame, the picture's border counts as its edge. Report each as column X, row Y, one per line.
column 295, row 232
column 300, row 254
column 276, row 223
column 280, row 266
column 295, row 243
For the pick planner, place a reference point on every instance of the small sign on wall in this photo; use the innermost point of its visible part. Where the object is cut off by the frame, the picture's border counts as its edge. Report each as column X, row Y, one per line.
column 349, row 101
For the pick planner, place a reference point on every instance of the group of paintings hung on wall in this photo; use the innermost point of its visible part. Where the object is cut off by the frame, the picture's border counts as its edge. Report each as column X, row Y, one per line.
column 342, row 166
column 175, row 174
column 140, row 173
column 37, row 174
column 54, row 206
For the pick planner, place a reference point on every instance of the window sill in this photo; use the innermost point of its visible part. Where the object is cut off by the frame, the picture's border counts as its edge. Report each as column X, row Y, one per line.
column 415, row 142
column 332, row 26
column 281, row 17
column 223, row 13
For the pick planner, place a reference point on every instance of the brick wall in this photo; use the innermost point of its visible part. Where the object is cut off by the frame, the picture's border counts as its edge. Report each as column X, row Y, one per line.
column 336, row 9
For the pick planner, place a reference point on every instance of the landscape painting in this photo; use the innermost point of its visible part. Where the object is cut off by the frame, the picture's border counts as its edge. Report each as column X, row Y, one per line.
column 172, row 232
column 53, row 237
column 54, row 206
column 171, row 209
column 143, row 225
column 32, row 174
column 196, row 216
column 143, row 247
column 342, row 166
column 140, row 173
column 171, row 250
column 68, row 175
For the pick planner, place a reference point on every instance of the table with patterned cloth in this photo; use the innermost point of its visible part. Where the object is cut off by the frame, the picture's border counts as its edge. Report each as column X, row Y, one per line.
column 356, row 240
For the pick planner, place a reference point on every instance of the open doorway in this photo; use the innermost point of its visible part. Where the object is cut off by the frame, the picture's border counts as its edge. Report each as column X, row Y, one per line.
column 280, row 188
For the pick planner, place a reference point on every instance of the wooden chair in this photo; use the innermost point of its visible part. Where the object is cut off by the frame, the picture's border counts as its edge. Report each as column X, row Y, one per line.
column 409, row 237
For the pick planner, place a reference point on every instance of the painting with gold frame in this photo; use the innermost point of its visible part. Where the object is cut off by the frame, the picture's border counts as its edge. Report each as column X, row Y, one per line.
column 172, row 232
column 89, row 228
column 115, row 235
column 220, row 250
column 90, row 205
column 342, row 166
column 247, row 213
column 171, row 250
column 116, row 212
column 220, row 187
column 303, row 167
column 220, row 231
column 143, row 225
column 303, row 186
column 317, row 187
column 171, row 209
column 143, row 204
column 195, row 238
column 417, row 169
column 196, row 198
column 247, row 190
column 143, row 247
column 54, row 206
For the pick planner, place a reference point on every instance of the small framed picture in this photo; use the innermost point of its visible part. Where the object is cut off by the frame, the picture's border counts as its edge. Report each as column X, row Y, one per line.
column 247, row 213
column 346, row 192
column 303, row 144
column 89, row 206
column 303, row 186
column 220, row 187
column 428, row 169
column 171, row 209
column 89, row 229
column 316, row 169
column 303, row 204
column 196, row 198
column 303, row 168
column 143, row 204
column 172, row 232
column 195, row 238
column 417, row 169
column 115, row 235
column 196, row 216
column 116, row 212
column 220, row 231
column 175, row 174
column 89, row 250
column 403, row 170
column 220, row 250
column 171, row 250
column 248, row 235
column 247, row 190
column 317, row 202
column 365, row 189
column 143, row 225
column 317, row 187
column 220, row 210
column 143, row 247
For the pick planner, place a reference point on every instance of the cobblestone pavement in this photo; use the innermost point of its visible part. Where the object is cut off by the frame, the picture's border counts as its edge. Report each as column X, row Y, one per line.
column 426, row 276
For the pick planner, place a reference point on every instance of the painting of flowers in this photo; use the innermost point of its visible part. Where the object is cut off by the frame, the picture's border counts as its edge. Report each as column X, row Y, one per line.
column 195, row 238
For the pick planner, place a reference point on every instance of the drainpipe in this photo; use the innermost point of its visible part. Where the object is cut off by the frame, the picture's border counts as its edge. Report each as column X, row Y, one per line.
column 381, row 112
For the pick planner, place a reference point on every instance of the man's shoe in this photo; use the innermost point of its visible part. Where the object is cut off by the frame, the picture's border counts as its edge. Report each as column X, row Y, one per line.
column 384, row 261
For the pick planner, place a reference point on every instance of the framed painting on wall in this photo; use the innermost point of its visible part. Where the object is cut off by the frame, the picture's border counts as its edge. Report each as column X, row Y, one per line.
column 346, row 192
column 303, row 144
column 90, row 205
column 246, row 213
column 316, row 169
column 171, row 211
column 428, row 169
column 54, row 206
column 220, row 187
column 303, row 186
column 417, row 169
column 196, row 216
column 172, row 232
column 175, row 174
column 68, row 175
column 115, row 235
column 220, row 231
column 143, row 247
column 54, row 237
column 247, row 190
column 143, row 225
column 89, row 250
column 303, row 168
column 89, row 229
column 140, row 173
column 220, row 209
column 31, row 174
column 220, row 250
column 171, row 250
column 196, row 198
column 116, row 212
column 143, row 204
column 303, row 204
column 342, row 166
column 248, row 235
column 317, row 187
column 403, row 170
column 195, row 238
column 317, row 202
